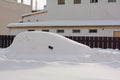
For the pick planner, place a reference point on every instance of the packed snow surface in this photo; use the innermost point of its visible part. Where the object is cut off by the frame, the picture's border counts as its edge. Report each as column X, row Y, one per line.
column 45, row 46
column 48, row 56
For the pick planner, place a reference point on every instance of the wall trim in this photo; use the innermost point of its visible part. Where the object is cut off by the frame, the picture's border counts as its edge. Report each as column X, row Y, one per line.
column 18, row 27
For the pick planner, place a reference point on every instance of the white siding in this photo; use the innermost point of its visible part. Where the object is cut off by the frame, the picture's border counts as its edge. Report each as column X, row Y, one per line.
column 84, row 11
column 68, row 32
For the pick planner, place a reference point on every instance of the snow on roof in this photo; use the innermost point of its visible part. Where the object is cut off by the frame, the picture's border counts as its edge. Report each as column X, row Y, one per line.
column 66, row 23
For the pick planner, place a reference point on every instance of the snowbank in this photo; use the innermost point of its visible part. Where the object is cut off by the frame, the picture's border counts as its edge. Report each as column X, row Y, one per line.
column 45, row 46
column 48, row 56
column 58, row 71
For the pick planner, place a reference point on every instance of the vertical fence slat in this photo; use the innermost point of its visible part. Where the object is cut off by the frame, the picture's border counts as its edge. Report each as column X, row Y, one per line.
column 0, row 41
column 87, row 41
column 119, row 43
column 100, row 42
column 96, row 42
column 114, row 43
column 109, row 42
column 91, row 42
column 104, row 42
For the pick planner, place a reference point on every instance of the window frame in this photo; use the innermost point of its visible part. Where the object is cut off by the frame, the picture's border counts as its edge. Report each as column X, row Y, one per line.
column 77, row 1
column 112, row 1
column 45, row 30
column 93, row 31
column 76, row 31
column 31, row 30
column 61, row 2
column 93, row 1
column 60, row 30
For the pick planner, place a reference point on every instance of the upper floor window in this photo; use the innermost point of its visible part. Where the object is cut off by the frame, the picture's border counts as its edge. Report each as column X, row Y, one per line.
column 111, row 0
column 93, row 1
column 77, row 1
column 61, row 2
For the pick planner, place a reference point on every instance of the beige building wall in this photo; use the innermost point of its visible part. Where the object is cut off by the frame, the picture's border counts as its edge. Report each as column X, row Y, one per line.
column 11, row 12
column 103, row 10
column 109, row 31
column 11, row 1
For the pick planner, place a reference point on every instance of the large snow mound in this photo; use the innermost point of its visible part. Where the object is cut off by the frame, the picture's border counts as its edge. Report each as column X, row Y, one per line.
column 45, row 45
column 48, row 56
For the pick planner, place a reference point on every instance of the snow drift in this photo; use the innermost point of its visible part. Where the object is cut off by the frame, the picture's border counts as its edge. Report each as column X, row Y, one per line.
column 45, row 45
column 48, row 56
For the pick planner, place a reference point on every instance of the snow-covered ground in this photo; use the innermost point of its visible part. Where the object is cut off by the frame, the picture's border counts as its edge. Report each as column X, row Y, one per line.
column 48, row 56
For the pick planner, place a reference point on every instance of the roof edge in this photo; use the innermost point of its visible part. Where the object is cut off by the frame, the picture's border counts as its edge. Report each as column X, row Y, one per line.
column 67, row 23
column 35, row 13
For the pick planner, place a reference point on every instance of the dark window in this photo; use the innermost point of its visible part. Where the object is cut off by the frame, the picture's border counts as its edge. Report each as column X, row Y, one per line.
column 77, row 1
column 93, row 31
column 31, row 30
column 37, row 20
column 45, row 30
column 60, row 2
column 60, row 31
column 28, row 20
column 111, row 0
column 76, row 31
column 93, row 1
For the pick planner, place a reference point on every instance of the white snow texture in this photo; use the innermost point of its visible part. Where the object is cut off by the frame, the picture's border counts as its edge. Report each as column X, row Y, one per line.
column 48, row 56
column 44, row 45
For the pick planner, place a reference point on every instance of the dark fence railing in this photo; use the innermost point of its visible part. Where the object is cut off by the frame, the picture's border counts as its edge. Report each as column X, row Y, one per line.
column 6, row 40
column 98, row 42
column 93, row 42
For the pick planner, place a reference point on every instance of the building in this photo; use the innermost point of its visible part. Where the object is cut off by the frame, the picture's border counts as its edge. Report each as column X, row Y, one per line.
column 15, row 1
column 11, row 11
column 74, row 18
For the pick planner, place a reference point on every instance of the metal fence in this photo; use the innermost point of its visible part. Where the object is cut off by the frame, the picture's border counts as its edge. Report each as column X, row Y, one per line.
column 93, row 42
column 98, row 42
column 6, row 40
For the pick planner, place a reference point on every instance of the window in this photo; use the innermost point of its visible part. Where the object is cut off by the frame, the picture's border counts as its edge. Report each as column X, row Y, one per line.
column 93, row 1
column 61, row 2
column 60, row 31
column 45, row 30
column 37, row 20
column 77, row 1
column 76, row 31
column 93, row 31
column 31, row 30
column 28, row 20
column 111, row 0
